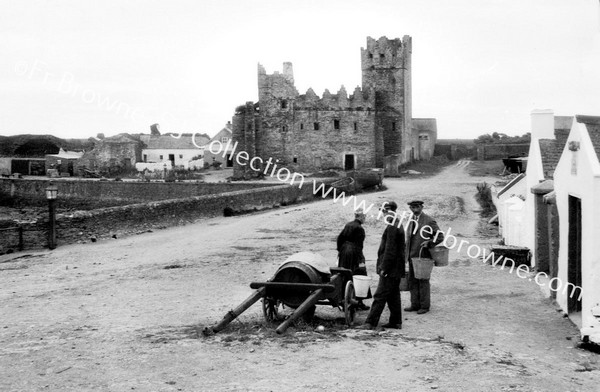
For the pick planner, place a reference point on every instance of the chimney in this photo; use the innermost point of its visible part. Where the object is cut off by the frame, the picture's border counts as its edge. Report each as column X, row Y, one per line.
column 288, row 71
column 542, row 124
column 154, row 130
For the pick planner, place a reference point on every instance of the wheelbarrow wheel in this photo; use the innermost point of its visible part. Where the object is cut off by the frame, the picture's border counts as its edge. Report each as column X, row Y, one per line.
column 271, row 307
column 349, row 300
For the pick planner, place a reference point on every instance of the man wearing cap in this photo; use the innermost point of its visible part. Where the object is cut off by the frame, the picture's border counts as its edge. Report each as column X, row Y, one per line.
column 422, row 233
column 390, row 268
column 350, row 248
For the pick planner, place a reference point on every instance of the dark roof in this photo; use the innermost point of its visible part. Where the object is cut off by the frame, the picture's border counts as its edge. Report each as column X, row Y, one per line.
column 592, row 123
column 168, row 142
column 563, row 122
column 550, row 151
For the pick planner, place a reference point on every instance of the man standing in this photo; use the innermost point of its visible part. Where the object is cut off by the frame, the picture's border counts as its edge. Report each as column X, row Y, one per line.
column 390, row 268
column 350, row 248
column 350, row 244
column 422, row 233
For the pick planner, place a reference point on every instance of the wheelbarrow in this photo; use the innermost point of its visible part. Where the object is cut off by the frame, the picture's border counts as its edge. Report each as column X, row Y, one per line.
column 301, row 282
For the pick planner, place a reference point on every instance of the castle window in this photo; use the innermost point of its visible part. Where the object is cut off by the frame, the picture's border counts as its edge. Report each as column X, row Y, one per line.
column 316, row 126
column 370, row 55
column 355, row 126
column 381, row 55
column 284, row 128
column 145, row 158
column 284, row 104
column 301, row 125
column 180, row 156
column 394, row 126
column 336, row 124
column 295, row 160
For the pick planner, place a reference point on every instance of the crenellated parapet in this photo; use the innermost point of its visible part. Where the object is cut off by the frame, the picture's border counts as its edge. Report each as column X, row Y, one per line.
column 359, row 100
column 385, row 53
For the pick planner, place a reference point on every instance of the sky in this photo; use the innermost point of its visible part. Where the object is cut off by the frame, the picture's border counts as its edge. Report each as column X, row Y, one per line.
column 76, row 68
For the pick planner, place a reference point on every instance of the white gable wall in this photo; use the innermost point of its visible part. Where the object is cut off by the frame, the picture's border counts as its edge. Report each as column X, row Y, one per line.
column 153, row 155
column 585, row 184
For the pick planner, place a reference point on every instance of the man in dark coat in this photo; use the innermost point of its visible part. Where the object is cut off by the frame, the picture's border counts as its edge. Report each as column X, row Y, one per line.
column 422, row 233
column 350, row 249
column 350, row 245
column 390, row 268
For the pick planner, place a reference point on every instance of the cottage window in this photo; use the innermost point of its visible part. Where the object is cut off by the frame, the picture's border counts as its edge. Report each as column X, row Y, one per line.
column 145, row 158
column 316, row 126
column 336, row 124
column 180, row 156
column 224, row 139
column 161, row 157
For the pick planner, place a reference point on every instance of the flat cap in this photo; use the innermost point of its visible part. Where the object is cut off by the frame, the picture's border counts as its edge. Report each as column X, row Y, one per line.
column 415, row 203
column 391, row 205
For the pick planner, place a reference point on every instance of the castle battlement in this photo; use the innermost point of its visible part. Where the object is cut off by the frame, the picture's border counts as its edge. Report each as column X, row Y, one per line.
column 386, row 53
column 369, row 126
column 359, row 99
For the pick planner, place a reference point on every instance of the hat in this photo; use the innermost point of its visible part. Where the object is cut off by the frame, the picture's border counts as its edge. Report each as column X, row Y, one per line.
column 390, row 205
column 359, row 212
column 415, row 203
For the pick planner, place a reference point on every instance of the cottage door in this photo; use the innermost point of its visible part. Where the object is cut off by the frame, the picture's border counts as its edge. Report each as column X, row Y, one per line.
column 574, row 249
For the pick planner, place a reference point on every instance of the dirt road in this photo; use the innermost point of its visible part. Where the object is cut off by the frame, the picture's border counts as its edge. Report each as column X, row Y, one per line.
column 126, row 314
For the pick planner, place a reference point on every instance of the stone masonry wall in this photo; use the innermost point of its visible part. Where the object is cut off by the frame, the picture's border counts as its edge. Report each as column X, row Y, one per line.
column 113, row 192
column 105, row 222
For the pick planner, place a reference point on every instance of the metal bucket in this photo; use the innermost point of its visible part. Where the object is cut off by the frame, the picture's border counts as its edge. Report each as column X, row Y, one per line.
column 361, row 285
column 422, row 267
column 439, row 254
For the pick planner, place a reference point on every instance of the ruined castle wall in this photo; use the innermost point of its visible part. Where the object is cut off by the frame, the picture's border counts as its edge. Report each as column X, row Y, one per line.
column 386, row 69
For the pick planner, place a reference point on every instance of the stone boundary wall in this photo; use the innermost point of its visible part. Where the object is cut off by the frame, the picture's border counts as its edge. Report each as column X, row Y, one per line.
column 499, row 151
column 109, row 193
column 137, row 218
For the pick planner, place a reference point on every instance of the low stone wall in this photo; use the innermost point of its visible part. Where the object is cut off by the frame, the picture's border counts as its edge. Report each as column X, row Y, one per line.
column 90, row 194
column 133, row 218
column 499, row 151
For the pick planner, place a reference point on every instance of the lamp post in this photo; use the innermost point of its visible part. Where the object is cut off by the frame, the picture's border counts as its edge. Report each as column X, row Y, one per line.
column 51, row 195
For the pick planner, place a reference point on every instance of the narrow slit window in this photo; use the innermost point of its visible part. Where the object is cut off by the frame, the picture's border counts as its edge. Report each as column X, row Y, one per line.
column 316, row 126
column 394, row 126
column 336, row 124
column 301, row 125
column 356, row 126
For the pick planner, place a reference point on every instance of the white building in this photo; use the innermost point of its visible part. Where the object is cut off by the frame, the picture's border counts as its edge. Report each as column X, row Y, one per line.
column 185, row 150
column 577, row 188
column 548, row 136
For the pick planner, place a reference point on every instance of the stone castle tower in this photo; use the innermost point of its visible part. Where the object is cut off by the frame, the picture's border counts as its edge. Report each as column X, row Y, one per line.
column 303, row 132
